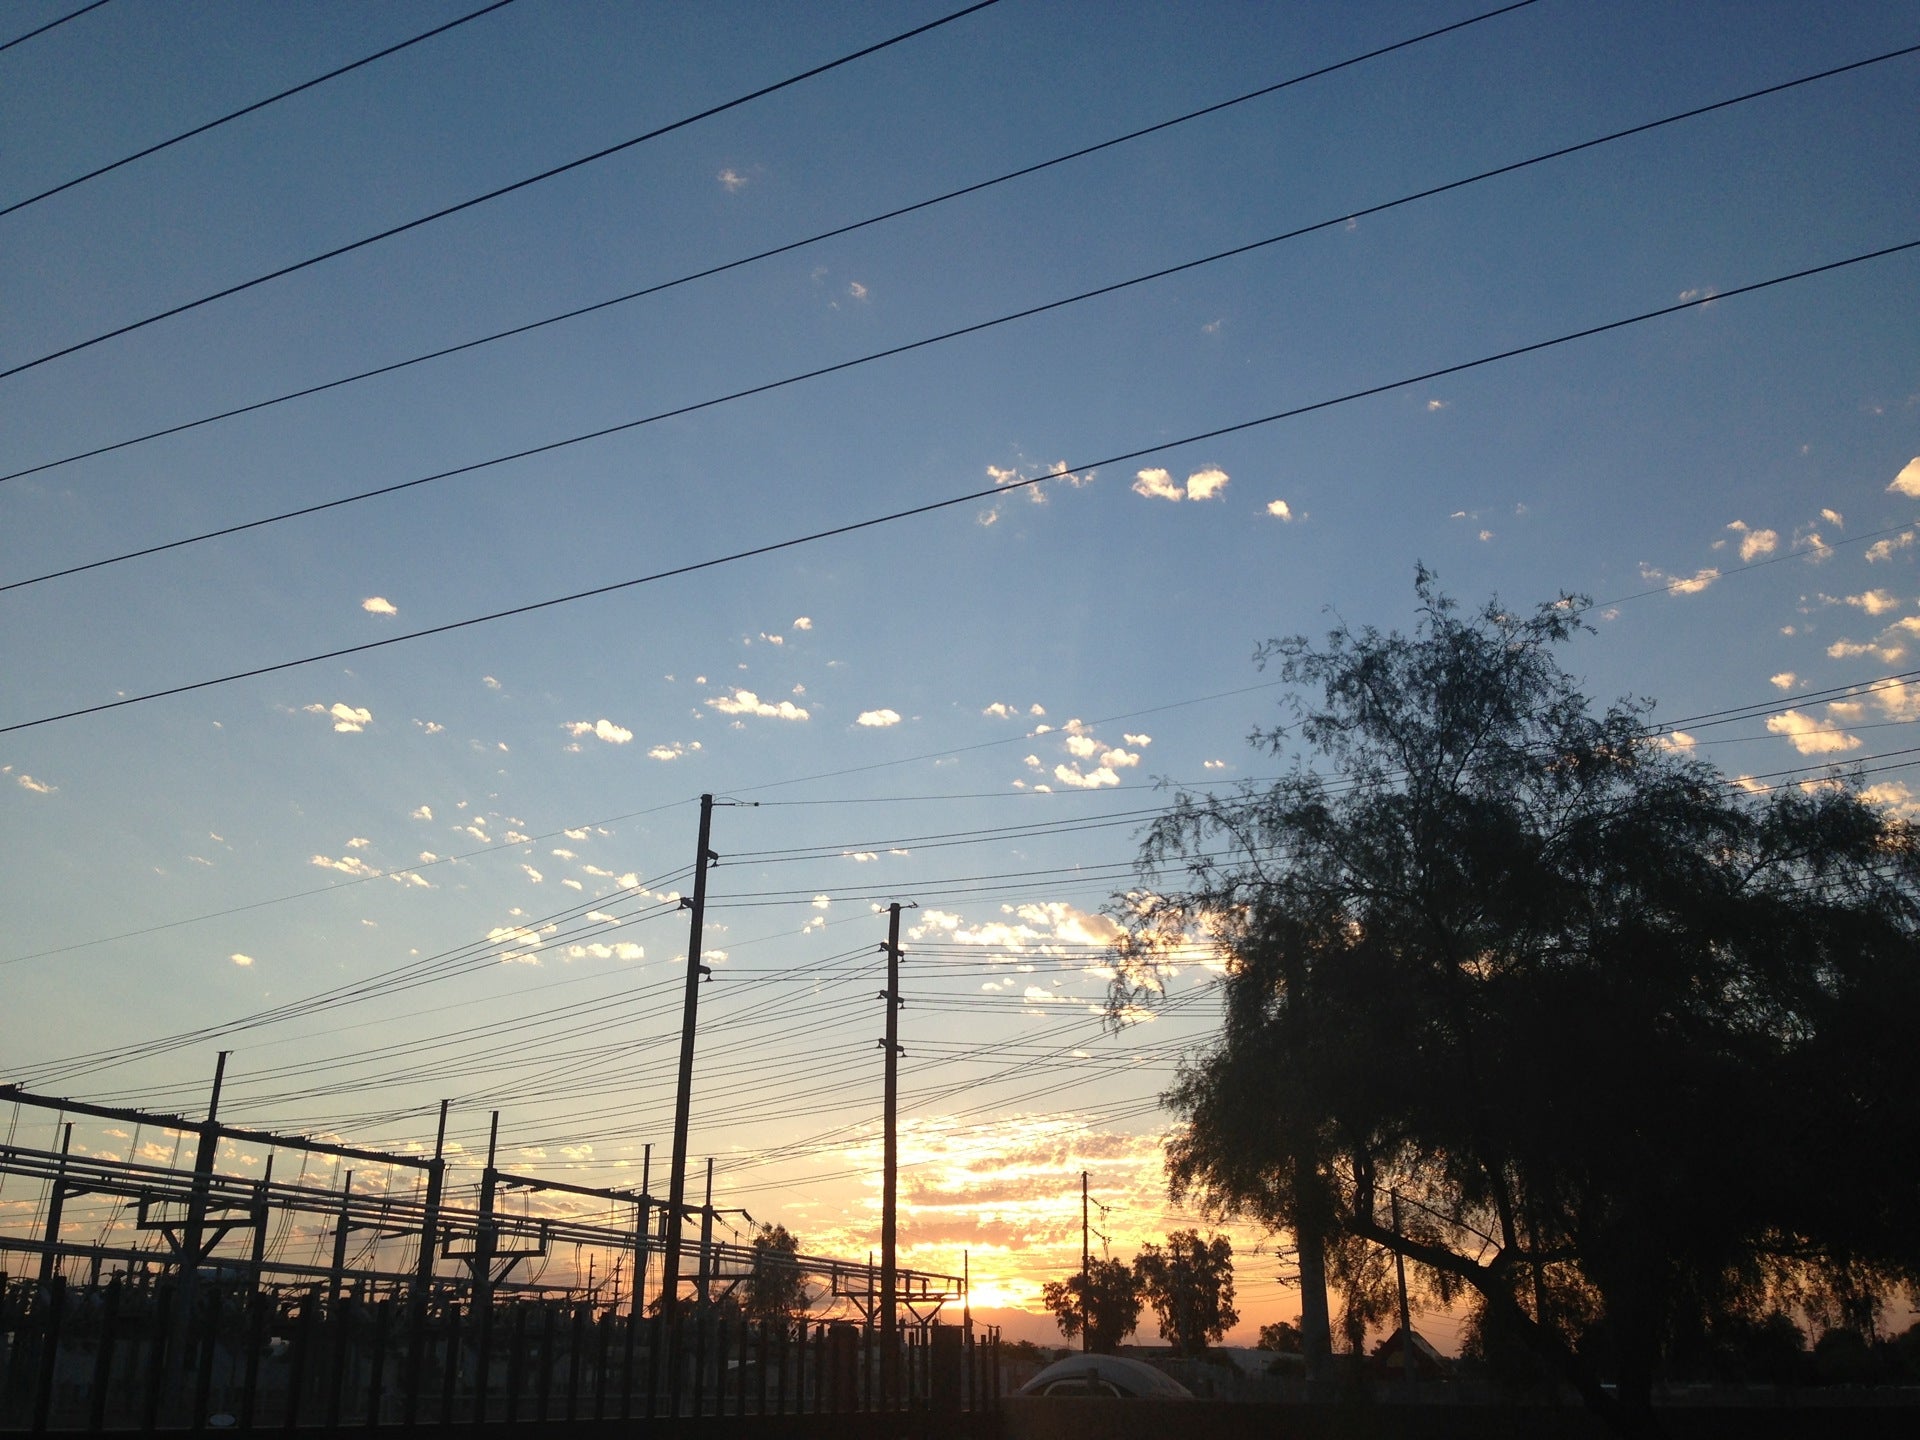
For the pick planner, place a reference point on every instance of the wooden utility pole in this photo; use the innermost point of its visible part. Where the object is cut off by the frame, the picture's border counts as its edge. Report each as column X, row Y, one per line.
column 689, row 1011
column 1086, row 1274
column 889, row 1193
column 1406, row 1313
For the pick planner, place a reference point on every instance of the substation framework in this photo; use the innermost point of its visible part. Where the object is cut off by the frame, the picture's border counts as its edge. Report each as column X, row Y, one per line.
column 187, row 1223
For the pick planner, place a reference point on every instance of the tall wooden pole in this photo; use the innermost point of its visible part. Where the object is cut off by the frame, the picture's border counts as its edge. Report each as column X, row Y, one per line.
column 689, row 1012
column 890, row 1164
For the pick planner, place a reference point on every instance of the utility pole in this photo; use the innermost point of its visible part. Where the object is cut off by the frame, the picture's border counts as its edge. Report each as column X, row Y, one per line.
column 690, row 1008
column 889, row 1193
column 194, row 1231
column 1086, row 1276
column 56, row 1203
column 642, row 1235
column 1406, row 1314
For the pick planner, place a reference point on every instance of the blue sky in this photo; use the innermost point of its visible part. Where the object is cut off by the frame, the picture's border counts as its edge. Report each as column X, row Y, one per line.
column 893, row 685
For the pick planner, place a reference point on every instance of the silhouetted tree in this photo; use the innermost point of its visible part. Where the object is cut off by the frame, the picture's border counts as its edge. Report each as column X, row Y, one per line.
column 1633, row 1048
column 1282, row 1337
column 1105, row 1302
column 777, row 1286
column 1189, row 1284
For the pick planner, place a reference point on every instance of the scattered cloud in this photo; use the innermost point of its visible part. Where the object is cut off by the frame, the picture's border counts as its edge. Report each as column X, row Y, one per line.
column 38, row 787
column 857, row 290
column 425, row 812
column 1754, row 544
column 803, row 623
column 1433, row 405
column 241, row 960
column 745, row 702
column 1280, row 510
column 347, row 865
column 379, row 605
column 878, row 719
column 1884, row 549
column 1907, row 482
column 1810, row 736
column 1874, row 602
column 489, row 682
column 672, row 750
column 347, row 719
column 620, row 950
column 600, row 730
column 1138, row 739
column 1679, row 585
column 732, row 181
column 1213, row 764
column 430, row 727
column 1679, row 742
column 1785, row 680
column 1157, row 484
column 532, row 874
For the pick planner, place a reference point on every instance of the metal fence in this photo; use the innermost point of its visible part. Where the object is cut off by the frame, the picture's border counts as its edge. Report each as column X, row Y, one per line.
column 128, row 1355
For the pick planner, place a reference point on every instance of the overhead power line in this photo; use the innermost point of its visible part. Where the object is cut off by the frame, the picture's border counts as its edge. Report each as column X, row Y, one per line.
column 154, row 149
column 783, row 249
column 1341, row 217
column 972, row 496
column 496, row 193
column 42, row 29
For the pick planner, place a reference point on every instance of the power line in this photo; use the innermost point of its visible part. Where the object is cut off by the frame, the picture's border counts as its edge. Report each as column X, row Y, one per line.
column 496, row 193
column 969, row 497
column 41, row 30
column 96, row 173
column 1343, row 217
column 783, row 249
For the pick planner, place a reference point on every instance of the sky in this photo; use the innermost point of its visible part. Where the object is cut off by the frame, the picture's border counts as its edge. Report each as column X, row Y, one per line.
column 969, row 710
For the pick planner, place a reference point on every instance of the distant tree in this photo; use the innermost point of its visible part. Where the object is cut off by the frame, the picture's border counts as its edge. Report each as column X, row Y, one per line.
column 1189, row 1284
column 1105, row 1302
column 1282, row 1337
column 1632, row 1048
column 777, row 1286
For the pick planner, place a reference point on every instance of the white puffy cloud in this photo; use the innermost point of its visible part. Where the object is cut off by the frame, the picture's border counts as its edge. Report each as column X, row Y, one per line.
column 1280, row 510
column 489, row 682
column 347, row 719
column 731, row 180
column 379, row 605
column 600, row 730
column 803, row 623
column 358, row 842
column 745, row 702
column 38, row 787
column 620, row 950
column 1137, row 739
column 430, row 727
column 1091, row 780
column 878, row 719
column 241, row 960
column 1785, row 680
column 1213, row 764
column 1875, row 602
column 1157, row 484
column 347, row 865
column 1810, row 736
column 672, row 750
column 532, row 874
column 1680, row 585
column 1207, row 483
column 1907, row 482
column 1755, row 543
column 1884, row 549
column 1080, row 746
column 1679, row 742
column 1202, row 484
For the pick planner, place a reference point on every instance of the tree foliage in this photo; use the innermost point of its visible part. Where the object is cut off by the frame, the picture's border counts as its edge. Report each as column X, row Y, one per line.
column 1634, row 1047
column 1189, row 1284
column 776, row 1287
column 1105, row 1302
